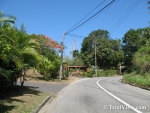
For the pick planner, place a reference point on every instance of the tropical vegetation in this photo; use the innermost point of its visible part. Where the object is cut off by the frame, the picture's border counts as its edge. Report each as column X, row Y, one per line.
column 131, row 56
column 20, row 51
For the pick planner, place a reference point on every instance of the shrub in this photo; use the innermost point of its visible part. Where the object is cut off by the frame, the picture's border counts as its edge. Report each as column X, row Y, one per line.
column 84, row 74
column 141, row 60
column 90, row 75
column 65, row 74
column 107, row 73
column 87, row 74
column 71, row 70
column 137, row 80
column 47, row 77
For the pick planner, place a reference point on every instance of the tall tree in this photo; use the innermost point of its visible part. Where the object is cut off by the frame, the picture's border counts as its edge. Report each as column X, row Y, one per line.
column 107, row 50
column 133, row 40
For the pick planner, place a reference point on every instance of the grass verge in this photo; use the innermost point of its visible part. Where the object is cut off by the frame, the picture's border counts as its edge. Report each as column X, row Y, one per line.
column 137, row 80
column 107, row 73
column 21, row 100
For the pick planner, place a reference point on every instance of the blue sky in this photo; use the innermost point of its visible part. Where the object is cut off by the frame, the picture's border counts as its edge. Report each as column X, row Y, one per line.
column 54, row 17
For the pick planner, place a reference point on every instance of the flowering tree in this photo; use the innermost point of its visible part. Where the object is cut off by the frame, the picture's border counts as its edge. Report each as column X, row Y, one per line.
column 49, row 65
column 47, row 41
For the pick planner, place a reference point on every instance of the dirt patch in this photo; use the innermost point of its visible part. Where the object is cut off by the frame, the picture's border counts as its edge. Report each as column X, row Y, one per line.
column 71, row 79
column 34, row 76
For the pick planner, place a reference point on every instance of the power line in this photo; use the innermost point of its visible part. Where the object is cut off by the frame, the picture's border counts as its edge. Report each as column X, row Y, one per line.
column 90, row 17
column 104, row 18
column 113, row 11
column 77, row 36
column 118, row 12
column 87, row 15
column 126, row 15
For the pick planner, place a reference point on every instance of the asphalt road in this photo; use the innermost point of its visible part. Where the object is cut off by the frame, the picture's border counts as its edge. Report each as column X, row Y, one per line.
column 51, row 88
column 100, row 95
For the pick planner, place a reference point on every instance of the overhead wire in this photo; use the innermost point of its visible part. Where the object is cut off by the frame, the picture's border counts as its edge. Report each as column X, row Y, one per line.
column 90, row 17
column 110, row 13
column 126, row 15
column 105, row 17
column 117, row 13
column 87, row 15
column 77, row 36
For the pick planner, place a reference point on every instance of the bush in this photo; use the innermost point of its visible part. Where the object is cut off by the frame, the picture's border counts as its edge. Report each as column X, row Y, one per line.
column 65, row 74
column 8, row 79
column 87, row 74
column 71, row 70
column 107, row 73
column 90, row 75
column 137, row 80
column 84, row 74
column 47, row 77
column 141, row 60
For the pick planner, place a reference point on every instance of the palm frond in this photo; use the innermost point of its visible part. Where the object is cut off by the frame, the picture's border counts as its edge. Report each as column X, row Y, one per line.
column 7, row 19
column 31, row 51
column 4, row 73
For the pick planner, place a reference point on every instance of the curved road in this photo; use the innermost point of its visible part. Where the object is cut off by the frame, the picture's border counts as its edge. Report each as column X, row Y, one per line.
column 100, row 95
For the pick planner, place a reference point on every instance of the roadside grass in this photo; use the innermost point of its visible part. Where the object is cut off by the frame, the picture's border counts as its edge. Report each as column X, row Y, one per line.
column 137, row 80
column 21, row 100
column 107, row 73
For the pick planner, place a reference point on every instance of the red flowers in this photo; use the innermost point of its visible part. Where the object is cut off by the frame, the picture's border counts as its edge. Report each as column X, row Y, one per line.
column 52, row 43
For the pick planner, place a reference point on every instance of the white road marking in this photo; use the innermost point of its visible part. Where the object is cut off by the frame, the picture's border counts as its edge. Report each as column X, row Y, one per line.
column 136, row 110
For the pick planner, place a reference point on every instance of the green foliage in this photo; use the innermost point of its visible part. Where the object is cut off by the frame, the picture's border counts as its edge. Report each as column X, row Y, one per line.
column 49, row 69
column 47, row 77
column 133, row 40
column 93, row 68
column 108, row 52
column 137, row 51
column 141, row 60
column 77, row 61
column 19, row 50
column 107, row 73
column 87, row 74
column 71, row 70
column 66, row 74
column 137, row 80
column 68, row 60
column 6, row 18
column 76, row 53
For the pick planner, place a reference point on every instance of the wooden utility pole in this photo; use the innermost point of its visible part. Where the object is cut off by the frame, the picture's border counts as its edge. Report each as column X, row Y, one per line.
column 61, row 58
column 95, row 58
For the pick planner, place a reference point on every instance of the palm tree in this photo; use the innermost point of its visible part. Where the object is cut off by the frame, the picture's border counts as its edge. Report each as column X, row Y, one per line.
column 18, row 51
column 7, row 18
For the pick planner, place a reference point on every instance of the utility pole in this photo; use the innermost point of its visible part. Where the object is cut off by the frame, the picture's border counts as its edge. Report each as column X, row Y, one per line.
column 61, row 58
column 95, row 59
